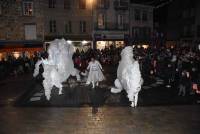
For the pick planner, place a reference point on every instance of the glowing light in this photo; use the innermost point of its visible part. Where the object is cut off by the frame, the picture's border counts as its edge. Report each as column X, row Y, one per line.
column 1, row 56
column 69, row 41
column 16, row 55
column 145, row 46
column 101, row 44
column 90, row 3
column 84, row 42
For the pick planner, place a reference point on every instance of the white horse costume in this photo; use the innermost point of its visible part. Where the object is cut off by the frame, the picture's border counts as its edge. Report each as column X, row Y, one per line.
column 58, row 66
column 128, row 76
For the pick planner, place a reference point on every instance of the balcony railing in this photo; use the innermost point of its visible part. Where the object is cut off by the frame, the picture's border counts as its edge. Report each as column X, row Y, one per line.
column 104, row 5
column 112, row 27
column 120, row 5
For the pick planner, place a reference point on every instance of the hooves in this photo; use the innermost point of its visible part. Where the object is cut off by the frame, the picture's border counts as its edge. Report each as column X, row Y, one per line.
column 133, row 105
column 115, row 90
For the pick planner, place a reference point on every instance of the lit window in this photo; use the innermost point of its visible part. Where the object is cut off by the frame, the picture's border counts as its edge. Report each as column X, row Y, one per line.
column 120, row 21
column 52, row 3
column 52, row 26
column 28, row 8
column 101, row 21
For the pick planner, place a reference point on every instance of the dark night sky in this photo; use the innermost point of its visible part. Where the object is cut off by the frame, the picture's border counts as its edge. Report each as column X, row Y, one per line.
column 160, row 14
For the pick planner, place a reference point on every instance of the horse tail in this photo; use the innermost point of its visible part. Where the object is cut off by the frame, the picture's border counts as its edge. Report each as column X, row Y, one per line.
column 37, row 68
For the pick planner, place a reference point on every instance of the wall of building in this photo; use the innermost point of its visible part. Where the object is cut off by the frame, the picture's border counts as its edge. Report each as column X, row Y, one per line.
column 12, row 24
column 63, row 16
column 182, row 21
column 12, row 21
column 141, row 28
column 197, row 23
column 112, row 31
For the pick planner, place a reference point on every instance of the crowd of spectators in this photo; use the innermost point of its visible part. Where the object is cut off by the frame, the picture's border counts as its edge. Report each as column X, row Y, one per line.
column 179, row 66
column 12, row 66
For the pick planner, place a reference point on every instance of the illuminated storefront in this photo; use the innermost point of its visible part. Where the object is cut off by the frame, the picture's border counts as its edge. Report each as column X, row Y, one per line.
column 83, row 45
column 17, row 48
column 106, row 44
column 106, row 40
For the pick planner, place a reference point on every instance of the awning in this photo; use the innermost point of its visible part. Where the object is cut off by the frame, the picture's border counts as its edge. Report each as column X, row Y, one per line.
column 19, row 46
column 6, row 43
column 70, row 37
column 21, row 49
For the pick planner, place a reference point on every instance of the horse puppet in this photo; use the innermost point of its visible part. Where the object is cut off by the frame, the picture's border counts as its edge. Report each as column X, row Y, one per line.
column 128, row 76
column 57, row 67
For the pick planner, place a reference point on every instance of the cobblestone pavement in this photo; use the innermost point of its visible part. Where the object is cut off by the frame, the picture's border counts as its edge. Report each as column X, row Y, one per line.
column 108, row 120
column 13, row 87
column 184, row 119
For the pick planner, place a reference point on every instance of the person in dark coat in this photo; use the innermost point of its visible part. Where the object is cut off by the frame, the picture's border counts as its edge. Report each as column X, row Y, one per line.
column 183, row 83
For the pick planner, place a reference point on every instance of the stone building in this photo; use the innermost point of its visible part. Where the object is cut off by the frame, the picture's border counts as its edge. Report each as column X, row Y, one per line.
column 183, row 26
column 30, row 23
column 111, row 23
column 21, row 20
column 21, row 27
column 141, row 23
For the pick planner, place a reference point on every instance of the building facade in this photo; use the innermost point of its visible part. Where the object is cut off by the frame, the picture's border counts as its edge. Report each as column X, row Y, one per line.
column 183, row 26
column 141, row 24
column 99, row 23
column 111, row 23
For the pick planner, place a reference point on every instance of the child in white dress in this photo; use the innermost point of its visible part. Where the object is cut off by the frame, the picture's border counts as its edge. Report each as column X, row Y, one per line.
column 95, row 73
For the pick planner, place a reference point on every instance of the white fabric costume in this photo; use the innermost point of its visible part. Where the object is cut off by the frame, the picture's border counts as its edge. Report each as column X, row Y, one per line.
column 128, row 76
column 95, row 73
column 58, row 66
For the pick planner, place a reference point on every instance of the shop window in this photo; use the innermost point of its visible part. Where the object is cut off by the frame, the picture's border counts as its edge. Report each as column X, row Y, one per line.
column 52, row 26
column 28, row 8
column 52, row 3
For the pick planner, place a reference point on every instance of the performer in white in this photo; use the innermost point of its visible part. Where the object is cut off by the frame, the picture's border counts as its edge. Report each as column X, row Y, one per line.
column 58, row 66
column 128, row 76
column 95, row 73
